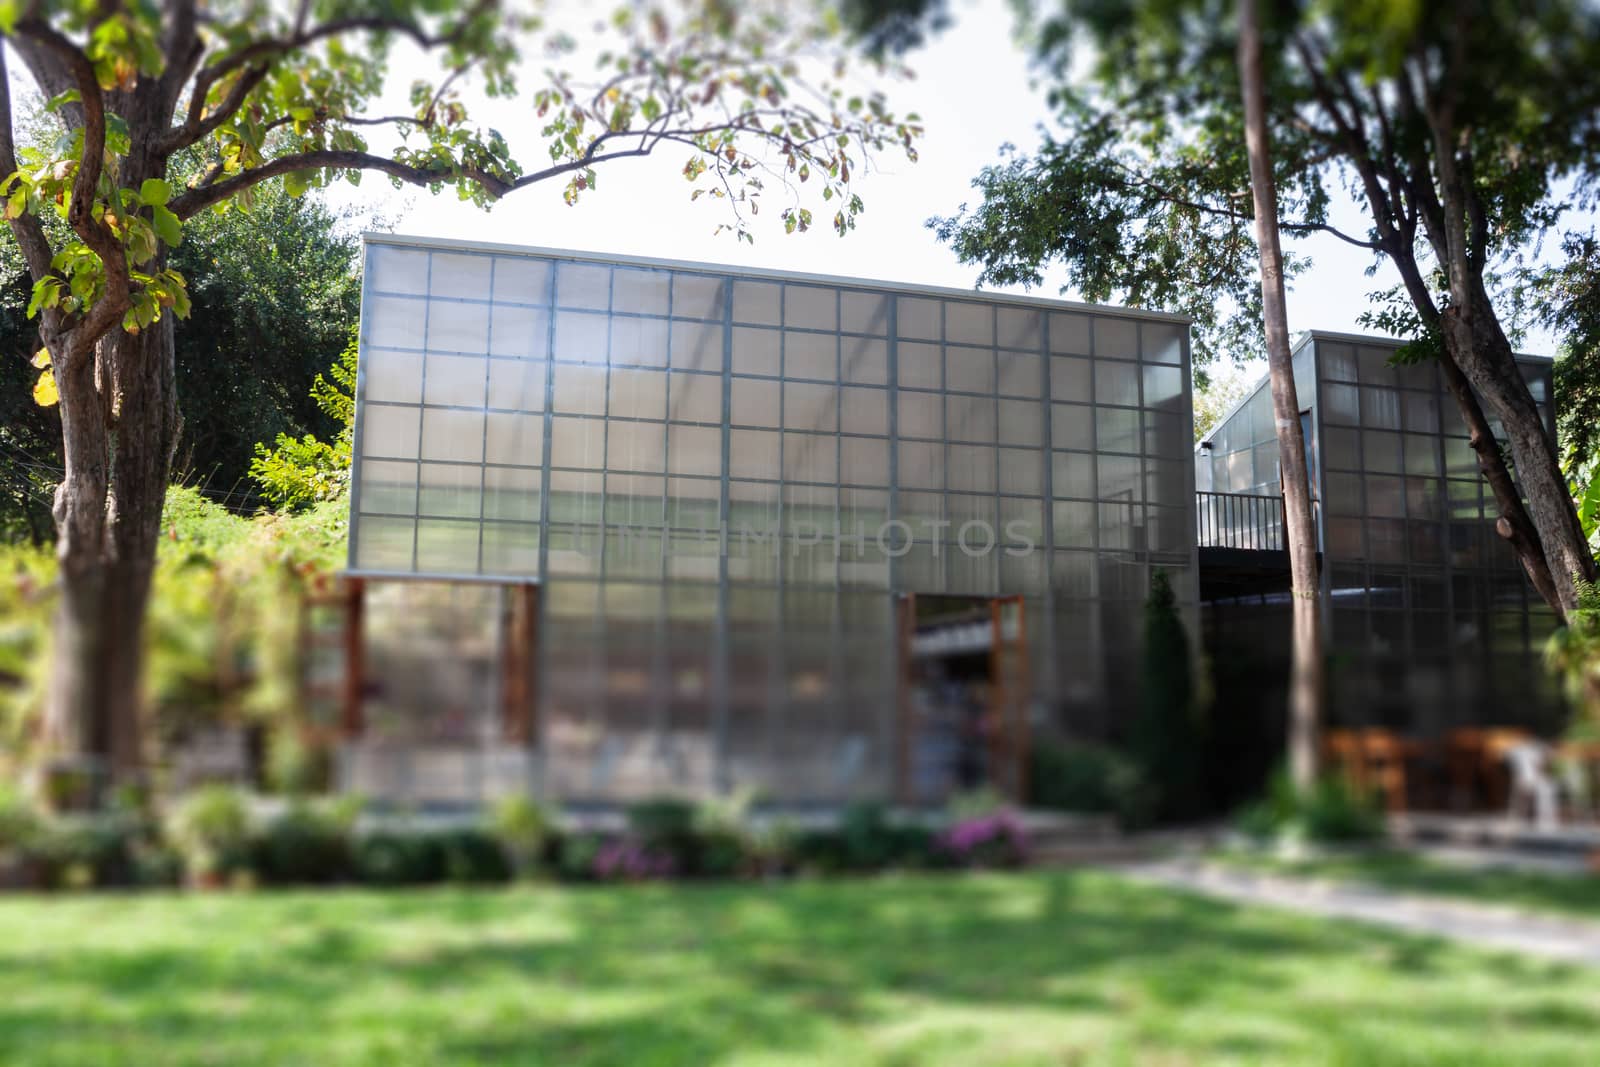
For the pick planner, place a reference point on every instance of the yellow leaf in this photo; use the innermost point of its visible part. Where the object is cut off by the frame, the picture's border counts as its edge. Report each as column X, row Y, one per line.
column 41, row 358
column 44, row 390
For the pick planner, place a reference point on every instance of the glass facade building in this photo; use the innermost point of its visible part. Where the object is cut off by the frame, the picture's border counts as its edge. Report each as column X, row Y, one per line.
column 723, row 483
column 1430, row 620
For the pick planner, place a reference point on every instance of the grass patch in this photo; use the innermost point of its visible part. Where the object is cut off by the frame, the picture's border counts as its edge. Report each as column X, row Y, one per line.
column 1035, row 968
column 1566, row 894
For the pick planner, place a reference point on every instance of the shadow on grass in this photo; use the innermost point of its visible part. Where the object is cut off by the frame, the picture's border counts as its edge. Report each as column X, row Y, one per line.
column 904, row 969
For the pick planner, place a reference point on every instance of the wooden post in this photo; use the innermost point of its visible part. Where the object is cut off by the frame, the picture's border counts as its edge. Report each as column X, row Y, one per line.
column 352, row 721
column 519, row 723
column 1009, row 689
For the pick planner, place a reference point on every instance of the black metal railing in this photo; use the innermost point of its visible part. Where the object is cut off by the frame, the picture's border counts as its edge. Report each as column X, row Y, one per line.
column 1239, row 520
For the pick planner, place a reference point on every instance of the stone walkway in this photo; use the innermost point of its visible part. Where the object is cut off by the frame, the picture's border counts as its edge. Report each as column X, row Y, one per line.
column 1482, row 925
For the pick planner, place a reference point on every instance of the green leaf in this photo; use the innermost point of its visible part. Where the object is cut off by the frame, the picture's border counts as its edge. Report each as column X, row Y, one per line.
column 1589, row 507
column 155, row 192
column 167, row 226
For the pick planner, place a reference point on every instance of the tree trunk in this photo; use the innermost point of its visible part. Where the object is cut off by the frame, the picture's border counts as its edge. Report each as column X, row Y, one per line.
column 119, row 419
column 1514, row 524
column 1306, row 682
column 1474, row 337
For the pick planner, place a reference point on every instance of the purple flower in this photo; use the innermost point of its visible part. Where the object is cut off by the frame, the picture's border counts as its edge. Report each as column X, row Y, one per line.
column 625, row 859
column 996, row 840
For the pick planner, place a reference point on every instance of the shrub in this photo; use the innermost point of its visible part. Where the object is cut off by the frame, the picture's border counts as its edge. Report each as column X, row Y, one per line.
column 666, row 825
column 309, row 844
column 995, row 840
column 872, row 841
column 1090, row 779
column 522, row 827
column 396, row 859
column 575, row 856
column 1165, row 736
column 473, row 857
column 19, row 831
column 1333, row 811
column 210, row 828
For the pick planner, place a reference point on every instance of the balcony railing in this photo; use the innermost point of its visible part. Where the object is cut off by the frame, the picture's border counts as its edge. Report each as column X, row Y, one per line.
column 1239, row 520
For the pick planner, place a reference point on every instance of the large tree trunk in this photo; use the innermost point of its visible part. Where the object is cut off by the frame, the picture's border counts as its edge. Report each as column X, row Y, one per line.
column 1474, row 337
column 119, row 416
column 1306, row 678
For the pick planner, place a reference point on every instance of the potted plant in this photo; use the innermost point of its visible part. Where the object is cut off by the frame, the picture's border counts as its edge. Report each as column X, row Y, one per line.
column 210, row 828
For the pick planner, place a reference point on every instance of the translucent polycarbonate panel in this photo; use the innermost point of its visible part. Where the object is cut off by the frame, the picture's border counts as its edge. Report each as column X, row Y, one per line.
column 657, row 442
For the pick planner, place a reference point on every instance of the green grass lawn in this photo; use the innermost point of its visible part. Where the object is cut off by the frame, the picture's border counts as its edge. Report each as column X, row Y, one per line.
column 1037, row 968
column 1576, row 895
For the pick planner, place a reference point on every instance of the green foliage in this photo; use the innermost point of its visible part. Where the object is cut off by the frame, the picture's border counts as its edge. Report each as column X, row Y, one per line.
column 308, row 844
column 211, row 829
column 1572, row 653
column 1332, row 812
column 396, row 859
column 300, row 471
column 523, row 829
column 1165, row 738
column 19, row 822
column 1089, row 778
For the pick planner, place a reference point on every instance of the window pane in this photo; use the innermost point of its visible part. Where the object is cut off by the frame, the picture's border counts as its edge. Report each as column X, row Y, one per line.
column 514, row 438
column 387, row 431
column 810, row 457
column 1021, row 423
column 395, row 322
column 696, row 397
column 753, row 454
column 810, row 407
column 1116, row 337
column 1163, row 342
column 521, row 280
column 636, row 446
column 864, row 461
column 1119, row 477
column 861, row 312
column 968, row 370
column 460, row 275
column 397, row 270
column 385, row 544
column 760, row 303
column 642, row 341
column 698, row 296
column 639, row 394
column 972, row 467
column 394, row 376
column 969, row 418
column 917, row 319
column 756, row 351
column 511, row 493
column 583, row 285
column 388, row 488
column 1117, row 429
column 642, row 292
column 754, row 402
column 1072, row 474
column 452, row 435
column 864, row 410
column 1022, row 471
column 810, row 307
column 455, row 380
column 580, row 390
column 810, row 355
column 920, row 366
column 450, row 490
column 581, row 338
column 864, row 360
column 1072, row 426
column 696, row 450
column 577, row 443
column 1069, row 333
column 968, row 323
column 698, row 346
column 523, row 333
column 920, row 415
column 1116, row 383
column 1018, row 328
column 920, row 466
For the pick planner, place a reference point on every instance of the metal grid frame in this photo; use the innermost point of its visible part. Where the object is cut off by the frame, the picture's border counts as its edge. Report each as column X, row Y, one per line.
column 1054, row 600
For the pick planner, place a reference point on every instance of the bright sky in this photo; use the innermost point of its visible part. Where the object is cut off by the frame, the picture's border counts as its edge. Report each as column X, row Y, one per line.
column 973, row 92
